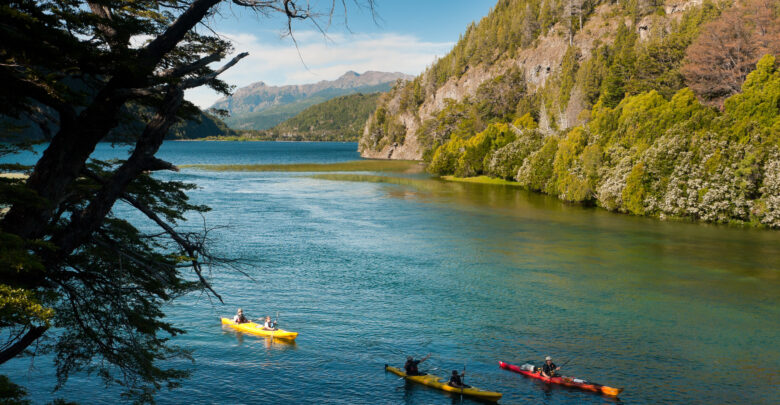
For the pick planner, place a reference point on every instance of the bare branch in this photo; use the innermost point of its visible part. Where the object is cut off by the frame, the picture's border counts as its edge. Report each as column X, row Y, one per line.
column 199, row 64
column 153, row 164
column 199, row 81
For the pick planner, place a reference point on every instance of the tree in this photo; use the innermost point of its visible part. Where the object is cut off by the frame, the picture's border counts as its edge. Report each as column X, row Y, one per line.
column 67, row 259
column 728, row 48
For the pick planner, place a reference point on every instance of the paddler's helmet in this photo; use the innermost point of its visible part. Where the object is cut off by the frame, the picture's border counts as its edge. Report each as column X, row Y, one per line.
column 548, row 358
column 410, row 358
column 454, row 372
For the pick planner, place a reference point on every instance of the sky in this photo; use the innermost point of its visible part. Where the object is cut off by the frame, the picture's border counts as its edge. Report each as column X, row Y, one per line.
column 406, row 37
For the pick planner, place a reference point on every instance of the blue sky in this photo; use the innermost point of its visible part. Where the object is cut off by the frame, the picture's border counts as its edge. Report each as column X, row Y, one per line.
column 407, row 37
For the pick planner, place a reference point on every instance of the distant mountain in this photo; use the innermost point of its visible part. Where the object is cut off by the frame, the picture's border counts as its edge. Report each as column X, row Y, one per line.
column 338, row 119
column 260, row 106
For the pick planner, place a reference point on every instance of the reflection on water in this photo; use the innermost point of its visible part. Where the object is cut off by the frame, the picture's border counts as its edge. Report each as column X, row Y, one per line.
column 269, row 343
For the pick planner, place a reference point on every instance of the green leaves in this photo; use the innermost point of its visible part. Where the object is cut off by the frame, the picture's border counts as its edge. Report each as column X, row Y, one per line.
column 19, row 306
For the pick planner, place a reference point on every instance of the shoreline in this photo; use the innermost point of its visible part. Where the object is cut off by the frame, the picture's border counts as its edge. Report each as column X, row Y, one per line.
column 209, row 139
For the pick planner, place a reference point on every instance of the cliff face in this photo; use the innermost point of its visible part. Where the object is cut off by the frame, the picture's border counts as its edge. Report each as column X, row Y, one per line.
column 539, row 62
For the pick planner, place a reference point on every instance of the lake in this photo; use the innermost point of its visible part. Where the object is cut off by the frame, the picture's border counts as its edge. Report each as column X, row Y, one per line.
column 368, row 272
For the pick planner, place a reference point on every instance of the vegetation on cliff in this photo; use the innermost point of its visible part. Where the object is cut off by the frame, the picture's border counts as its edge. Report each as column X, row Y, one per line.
column 647, row 155
column 652, row 118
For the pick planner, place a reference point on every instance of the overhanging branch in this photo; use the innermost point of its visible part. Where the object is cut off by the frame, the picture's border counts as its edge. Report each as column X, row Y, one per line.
column 200, row 81
column 185, row 244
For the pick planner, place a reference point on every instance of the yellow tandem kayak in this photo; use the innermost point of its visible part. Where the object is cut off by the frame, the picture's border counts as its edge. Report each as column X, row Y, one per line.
column 435, row 382
column 257, row 329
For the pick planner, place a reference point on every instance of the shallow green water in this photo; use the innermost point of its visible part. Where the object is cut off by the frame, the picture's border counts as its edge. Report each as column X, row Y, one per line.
column 368, row 271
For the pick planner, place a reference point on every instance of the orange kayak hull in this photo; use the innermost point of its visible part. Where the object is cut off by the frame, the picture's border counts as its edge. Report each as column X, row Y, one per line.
column 565, row 381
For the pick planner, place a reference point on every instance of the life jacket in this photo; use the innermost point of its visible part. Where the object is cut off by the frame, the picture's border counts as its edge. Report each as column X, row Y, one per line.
column 455, row 380
column 411, row 367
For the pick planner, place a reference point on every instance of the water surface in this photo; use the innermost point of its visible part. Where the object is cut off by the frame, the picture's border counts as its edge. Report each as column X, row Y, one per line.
column 370, row 271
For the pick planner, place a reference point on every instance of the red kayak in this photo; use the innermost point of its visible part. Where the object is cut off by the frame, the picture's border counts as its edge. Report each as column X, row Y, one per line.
column 530, row 371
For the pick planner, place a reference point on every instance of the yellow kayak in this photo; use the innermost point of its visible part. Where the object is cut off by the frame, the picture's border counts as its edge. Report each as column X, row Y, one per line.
column 257, row 329
column 435, row 382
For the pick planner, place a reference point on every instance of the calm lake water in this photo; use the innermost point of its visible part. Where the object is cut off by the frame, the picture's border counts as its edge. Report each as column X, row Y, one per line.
column 368, row 272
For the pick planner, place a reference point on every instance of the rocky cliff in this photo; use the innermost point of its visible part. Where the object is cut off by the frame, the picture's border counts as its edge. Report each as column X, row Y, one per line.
column 660, row 109
column 540, row 59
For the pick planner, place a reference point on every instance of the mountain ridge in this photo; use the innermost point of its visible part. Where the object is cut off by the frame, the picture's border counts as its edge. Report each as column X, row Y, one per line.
column 262, row 106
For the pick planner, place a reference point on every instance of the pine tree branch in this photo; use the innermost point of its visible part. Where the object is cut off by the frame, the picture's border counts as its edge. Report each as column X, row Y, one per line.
column 17, row 348
column 88, row 220
column 192, row 250
column 199, row 64
column 200, row 81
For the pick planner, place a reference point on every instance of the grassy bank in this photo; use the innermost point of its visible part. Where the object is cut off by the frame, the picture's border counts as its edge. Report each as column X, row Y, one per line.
column 405, row 166
column 482, row 180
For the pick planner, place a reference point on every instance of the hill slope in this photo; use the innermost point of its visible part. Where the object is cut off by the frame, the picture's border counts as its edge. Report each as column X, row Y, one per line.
column 590, row 104
column 202, row 126
column 338, row 119
column 260, row 106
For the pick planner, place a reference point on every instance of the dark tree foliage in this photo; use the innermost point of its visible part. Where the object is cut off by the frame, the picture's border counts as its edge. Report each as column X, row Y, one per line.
column 339, row 119
column 77, row 279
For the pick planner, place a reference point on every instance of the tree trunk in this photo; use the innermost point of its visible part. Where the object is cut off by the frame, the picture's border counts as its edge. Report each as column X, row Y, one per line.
column 65, row 157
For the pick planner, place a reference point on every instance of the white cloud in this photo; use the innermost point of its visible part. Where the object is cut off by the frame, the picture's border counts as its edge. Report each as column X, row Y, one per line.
column 277, row 62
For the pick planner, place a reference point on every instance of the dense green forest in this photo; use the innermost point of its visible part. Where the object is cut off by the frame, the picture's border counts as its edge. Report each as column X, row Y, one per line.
column 339, row 119
column 648, row 155
column 668, row 124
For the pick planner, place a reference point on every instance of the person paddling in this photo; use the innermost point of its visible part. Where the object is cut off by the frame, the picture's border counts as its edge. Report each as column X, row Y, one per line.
column 240, row 318
column 411, row 365
column 549, row 369
column 269, row 324
column 456, row 380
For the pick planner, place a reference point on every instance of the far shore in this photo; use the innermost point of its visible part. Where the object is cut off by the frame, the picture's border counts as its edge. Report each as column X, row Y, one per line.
column 366, row 165
column 237, row 139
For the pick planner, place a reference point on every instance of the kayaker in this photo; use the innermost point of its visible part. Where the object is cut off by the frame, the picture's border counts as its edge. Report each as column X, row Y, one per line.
column 549, row 369
column 411, row 365
column 269, row 324
column 240, row 318
column 456, row 380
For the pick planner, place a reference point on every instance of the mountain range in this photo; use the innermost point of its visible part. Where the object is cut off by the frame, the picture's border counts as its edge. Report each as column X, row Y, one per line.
column 261, row 106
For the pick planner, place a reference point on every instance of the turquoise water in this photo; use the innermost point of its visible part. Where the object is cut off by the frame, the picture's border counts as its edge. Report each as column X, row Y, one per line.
column 368, row 272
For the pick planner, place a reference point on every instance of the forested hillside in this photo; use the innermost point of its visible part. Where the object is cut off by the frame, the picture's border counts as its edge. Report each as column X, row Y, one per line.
column 636, row 106
column 260, row 106
column 339, row 119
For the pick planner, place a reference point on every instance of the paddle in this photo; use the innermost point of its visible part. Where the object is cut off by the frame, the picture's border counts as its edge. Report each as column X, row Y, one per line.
column 276, row 325
column 567, row 362
column 463, row 381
